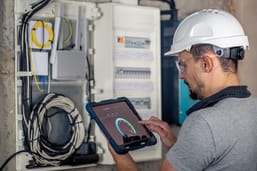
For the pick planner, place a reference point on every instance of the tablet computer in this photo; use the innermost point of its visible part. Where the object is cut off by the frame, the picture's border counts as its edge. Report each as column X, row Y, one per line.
column 118, row 120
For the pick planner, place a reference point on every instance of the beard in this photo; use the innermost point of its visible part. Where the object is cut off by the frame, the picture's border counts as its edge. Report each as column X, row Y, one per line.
column 193, row 95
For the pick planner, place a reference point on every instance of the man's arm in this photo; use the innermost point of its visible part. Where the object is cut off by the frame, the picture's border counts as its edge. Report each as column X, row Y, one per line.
column 166, row 166
column 124, row 162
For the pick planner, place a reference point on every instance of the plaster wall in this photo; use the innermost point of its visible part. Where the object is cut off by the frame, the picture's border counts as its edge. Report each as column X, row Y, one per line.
column 246, row 12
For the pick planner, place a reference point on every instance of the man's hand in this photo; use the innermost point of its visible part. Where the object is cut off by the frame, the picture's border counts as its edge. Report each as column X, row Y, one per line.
column 162, row 128
column 124, row 162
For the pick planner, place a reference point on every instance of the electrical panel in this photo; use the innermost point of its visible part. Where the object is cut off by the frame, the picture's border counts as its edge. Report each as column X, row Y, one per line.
column 73, row 52
column 51, row 84
column 127, row 63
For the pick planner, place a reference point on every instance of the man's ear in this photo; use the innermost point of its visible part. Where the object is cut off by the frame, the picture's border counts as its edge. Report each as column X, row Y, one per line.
column 207, row 63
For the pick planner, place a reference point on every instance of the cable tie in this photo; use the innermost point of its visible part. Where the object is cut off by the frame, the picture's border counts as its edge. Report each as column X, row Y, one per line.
column 73, row 146
column 34, row 139
column 72, row 110
column 76, row 123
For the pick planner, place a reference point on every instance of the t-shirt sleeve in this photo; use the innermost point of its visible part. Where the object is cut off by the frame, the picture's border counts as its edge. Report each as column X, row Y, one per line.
column 195, row 146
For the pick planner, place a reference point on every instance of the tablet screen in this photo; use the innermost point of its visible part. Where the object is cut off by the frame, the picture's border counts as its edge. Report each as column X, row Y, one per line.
column 121, row 122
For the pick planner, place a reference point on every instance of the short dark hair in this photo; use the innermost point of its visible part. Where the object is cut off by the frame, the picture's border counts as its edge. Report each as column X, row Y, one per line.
column 228, row 65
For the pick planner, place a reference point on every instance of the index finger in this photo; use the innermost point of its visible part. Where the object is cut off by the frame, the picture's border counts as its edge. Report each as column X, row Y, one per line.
column 158, row 123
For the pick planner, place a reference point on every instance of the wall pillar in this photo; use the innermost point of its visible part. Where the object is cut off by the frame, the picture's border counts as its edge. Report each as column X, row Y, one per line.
column 7, row 112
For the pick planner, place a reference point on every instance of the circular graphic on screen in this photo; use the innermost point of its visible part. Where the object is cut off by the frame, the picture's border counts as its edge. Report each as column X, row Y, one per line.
column 124, row 127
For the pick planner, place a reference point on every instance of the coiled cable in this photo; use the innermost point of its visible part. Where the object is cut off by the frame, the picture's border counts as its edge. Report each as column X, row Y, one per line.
column 45, row 27
column 43, row 150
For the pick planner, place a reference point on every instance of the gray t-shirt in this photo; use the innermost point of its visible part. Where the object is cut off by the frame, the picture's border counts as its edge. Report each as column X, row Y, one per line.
column 220, row 137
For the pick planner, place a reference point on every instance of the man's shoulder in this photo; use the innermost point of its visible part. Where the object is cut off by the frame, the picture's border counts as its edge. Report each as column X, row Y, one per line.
column 226, row 109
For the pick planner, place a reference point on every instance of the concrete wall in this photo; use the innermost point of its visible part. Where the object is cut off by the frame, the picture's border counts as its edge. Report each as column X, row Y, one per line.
column 7, row 112
column 245, row 11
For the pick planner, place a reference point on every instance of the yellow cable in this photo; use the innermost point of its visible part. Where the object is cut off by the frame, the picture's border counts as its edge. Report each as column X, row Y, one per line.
column 33, row 68
column 48, row 29
column 67, row 39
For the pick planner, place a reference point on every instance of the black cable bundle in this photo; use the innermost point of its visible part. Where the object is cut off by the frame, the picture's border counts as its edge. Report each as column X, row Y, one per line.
column 170, row 2
column 24, row 62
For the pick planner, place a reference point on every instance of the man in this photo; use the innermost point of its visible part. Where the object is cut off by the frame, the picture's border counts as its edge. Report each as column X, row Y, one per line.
column 220, row 132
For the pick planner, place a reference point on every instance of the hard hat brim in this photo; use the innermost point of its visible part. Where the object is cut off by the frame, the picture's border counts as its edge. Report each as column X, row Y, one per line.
column 170, row 53
column 223, row 42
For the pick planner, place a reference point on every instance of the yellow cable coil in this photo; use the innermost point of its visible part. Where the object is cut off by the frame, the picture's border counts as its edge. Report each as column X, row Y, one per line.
column 34, row 37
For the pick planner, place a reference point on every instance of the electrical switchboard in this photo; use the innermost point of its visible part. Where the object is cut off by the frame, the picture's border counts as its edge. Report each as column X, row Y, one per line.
column 127, row 63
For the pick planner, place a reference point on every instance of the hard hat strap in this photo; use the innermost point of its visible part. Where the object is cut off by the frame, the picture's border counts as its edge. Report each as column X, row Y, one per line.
column 236, row 53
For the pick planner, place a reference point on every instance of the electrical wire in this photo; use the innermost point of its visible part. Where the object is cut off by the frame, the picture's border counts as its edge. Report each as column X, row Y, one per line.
column 9, row 158
column 88, row 78
column 44, row 151
column 23, row 40
column 69, row 36
column 45, row 26
column 24, row 64
column 88, row 93
column 170, row 2
column 33, row 68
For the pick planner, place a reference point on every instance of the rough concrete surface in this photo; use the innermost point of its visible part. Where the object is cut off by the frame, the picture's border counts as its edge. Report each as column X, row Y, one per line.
column 7, row 112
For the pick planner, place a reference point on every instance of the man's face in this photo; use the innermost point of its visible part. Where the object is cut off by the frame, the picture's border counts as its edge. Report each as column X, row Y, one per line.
column 189, row 72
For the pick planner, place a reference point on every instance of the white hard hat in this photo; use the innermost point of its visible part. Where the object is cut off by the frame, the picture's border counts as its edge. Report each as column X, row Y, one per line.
column 209, row 26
